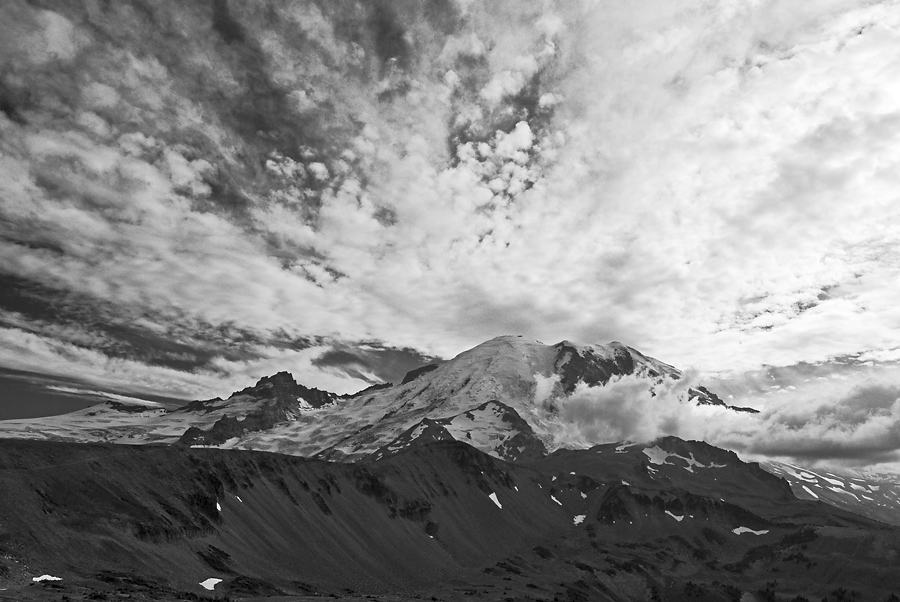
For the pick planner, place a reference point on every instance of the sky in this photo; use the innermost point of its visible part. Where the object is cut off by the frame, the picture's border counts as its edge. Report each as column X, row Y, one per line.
column 195, row 195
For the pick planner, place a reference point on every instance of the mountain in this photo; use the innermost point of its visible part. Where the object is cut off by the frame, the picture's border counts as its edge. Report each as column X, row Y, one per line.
column 519, row 378
column 456, row 484
column 875, row 496
column 512, row 384
column 273, row 400
column 671, row 520
column 502, row 397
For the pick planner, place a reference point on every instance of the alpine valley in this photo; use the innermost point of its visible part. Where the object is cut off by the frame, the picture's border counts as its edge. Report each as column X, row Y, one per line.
column 471, row 479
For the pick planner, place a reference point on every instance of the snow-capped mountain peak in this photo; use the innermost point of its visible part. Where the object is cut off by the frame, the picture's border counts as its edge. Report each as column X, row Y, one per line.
column 503, row 396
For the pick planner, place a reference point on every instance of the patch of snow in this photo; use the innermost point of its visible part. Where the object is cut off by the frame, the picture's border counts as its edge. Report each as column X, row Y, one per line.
column 556, row 500
column 579, row 518
column 583, row 495
column 656, row 454
column 868, row 498
column 620, row 449
column 571, row 473
column 210, row 583
column 553, row 479
column 856, row 487
column 836, row 482
column 218, row 506
column 845, row 492
column 675, row 516
column 626, row 483
column 238, row 498
column 809, row 491
column 799, row 474
column 740, row 530
column 46, row 578
column 691, row 462
column 494, row 499
column 515, row 487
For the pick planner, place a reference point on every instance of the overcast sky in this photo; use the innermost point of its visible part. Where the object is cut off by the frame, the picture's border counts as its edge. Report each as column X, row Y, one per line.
column 195, row 195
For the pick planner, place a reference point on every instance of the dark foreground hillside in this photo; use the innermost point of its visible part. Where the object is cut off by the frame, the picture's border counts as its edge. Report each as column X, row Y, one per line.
column 679, row 521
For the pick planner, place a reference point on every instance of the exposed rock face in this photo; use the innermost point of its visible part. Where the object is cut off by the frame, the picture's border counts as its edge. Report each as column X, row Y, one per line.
column 595, row 365
column 583, row 365
column 285, row 391
column 275, row 399
column 704, row 396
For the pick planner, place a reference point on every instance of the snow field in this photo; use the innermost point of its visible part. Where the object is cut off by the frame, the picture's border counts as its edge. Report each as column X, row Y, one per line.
column 210, row 583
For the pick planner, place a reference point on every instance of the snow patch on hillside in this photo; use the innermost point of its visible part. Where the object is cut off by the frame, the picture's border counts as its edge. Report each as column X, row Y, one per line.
column 210, row 583
column 659, row 456
column 741, row 530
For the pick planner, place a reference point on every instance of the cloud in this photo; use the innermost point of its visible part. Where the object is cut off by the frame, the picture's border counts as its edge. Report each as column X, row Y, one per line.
column 712, row 183
column 30, row 352
column 373, row 363
column 105, row 395
column 849, row 421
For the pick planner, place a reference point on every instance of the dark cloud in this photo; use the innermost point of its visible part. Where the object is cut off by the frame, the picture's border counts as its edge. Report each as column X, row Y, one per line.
column 30, row 395
column 369, row 359
column 172, row 341
column 389, row 41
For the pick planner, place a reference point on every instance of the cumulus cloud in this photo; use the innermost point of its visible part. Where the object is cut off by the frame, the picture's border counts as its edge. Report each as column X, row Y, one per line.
column 625, row 409
column 821, row 421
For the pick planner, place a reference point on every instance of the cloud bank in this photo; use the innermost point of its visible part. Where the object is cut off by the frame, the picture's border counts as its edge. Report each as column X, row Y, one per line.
column 820, row 422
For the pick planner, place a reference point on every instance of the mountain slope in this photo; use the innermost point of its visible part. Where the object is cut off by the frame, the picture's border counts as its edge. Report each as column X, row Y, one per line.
column 492, row 427
column 441, row 519
column 874, row 496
